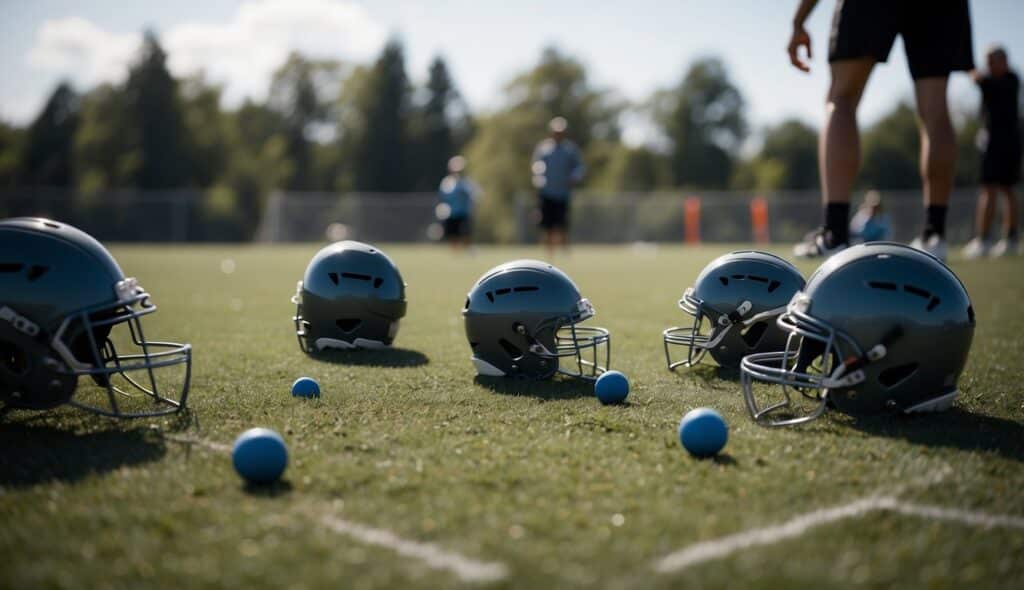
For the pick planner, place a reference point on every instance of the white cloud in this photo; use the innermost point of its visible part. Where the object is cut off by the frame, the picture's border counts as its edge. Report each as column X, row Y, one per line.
column 79, row 49
column 241, row 53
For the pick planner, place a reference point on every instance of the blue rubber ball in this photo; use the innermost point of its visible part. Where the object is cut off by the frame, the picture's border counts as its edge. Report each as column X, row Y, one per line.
column 612, row 387
column 259, row 455
column 305, row 387
column 703, row 432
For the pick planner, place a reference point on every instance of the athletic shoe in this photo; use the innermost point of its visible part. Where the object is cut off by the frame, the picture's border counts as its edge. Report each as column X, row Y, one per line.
column 817, row 245
column 976, row 248
column 1006, row 247
column 935, row 245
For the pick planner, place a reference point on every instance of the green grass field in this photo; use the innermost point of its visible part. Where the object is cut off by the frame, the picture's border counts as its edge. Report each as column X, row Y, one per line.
column 538, row 478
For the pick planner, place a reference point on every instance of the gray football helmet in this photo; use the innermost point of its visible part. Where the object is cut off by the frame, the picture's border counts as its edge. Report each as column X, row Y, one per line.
column 734, row 304
column 64, row 303
column 522, row 320
column 880, row 327
column 352, row 296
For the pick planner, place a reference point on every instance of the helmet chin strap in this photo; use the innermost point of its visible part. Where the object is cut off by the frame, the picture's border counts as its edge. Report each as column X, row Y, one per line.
column 851, row 371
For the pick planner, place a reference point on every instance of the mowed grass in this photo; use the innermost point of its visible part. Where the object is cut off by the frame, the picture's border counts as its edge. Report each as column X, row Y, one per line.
column 531, row 475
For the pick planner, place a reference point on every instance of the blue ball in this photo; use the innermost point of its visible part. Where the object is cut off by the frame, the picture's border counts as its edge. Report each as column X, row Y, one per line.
column 305, row 387
column 612, row 387
column 259, row 455
column 703, row 432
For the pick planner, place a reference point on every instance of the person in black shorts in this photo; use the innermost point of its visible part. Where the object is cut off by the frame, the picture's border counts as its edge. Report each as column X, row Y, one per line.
column 557, row 168
column 1000, row 143
column 937, row 39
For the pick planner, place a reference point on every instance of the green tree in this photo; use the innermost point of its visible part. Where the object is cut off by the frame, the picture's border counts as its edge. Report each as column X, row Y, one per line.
column 890, row 151
column 301, row 93
column 632, row 169
column 10, row 155
column 788, row 160
column 105, row 155
column 500, row 151
column 47, row 159
column 156, row 120
column 383, row 146
column 206, row 138
column 440, row 126
column 704, row 119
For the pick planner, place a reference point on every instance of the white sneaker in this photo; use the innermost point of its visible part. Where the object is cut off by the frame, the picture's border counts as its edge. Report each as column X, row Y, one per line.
column 1006, row 247
column 935, row 245
column 976, row 248
column 816, row 246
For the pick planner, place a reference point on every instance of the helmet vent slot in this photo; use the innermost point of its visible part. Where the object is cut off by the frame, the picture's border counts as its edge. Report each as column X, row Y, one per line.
column 883, row 285
column 724, row 281
column 490, row 296
column 473, row 345
column 356, row 276
column 758, row 279
column 377, row 282
column 348, row 325
column 36, row 272
column 772, row 286
column 526, row 289
column 917, row 291
column 511, row 349
column 753, row 334
column 11, row 266
column 893, row 376
column 333, row 276
column 504, row 291
column 970, row 313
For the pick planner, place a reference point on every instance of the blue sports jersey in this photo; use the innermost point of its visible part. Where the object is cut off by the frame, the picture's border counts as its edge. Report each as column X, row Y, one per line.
column 557, row 167
column 458, row 193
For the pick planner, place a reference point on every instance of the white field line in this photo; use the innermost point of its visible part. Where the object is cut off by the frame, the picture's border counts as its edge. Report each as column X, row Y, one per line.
column 466, row 569
column 725, row 546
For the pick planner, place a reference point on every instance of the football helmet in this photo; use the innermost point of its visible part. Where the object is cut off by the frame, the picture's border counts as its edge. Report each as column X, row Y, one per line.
column 352, row 296
column 880, row 327
column 734, row 304
column 522, row 320
column 64, row 303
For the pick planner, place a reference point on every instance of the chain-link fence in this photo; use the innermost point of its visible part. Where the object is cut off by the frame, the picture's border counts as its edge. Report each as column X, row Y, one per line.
column 723, row 216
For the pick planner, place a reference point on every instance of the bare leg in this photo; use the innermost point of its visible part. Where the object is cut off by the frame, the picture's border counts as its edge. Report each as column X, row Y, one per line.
column 1011, row 213
column 985, row 211
column 839, row 143
column 938, row 141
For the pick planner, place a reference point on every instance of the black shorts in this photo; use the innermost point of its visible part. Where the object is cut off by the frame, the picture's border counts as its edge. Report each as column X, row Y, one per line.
column 936, row 34
column 456, row 227
column 554, row 213
column 1000, row 163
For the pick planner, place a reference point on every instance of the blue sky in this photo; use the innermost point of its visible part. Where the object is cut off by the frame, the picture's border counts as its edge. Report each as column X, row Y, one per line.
column 636, row 46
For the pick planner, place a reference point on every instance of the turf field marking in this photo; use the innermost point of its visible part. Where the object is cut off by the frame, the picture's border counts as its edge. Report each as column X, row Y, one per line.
column 725, row 546
column 468, row 570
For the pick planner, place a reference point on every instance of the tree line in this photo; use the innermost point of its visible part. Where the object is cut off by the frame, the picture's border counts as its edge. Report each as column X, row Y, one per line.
column 333, row 126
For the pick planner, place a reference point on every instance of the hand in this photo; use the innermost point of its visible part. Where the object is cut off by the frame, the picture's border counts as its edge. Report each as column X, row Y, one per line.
column 800, row 38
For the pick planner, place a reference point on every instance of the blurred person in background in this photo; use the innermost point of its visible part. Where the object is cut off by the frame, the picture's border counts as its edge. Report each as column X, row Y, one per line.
column 937, row 40
column 871, row 223
column 1000, row 143
column 457, row 195
column 557, row 168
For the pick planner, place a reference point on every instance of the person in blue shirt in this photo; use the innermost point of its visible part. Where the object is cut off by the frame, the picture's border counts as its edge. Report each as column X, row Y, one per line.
column 557, row 168
column 871, row 223
column 457, row 195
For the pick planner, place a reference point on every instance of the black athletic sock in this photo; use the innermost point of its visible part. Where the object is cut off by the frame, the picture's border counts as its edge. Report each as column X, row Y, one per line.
column 837, row 223
column 1011, row 234
column 934, row 222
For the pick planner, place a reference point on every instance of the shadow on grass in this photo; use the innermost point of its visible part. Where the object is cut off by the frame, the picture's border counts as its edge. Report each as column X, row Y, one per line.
column 36, row 452
column 553, row 389
column 281, row 487
column 711, row 373
column 388, row 357
column 955, row 429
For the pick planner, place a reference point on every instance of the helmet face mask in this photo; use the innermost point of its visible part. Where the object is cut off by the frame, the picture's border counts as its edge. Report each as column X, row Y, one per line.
column 523, row 320
column 351, row 297
column 70, row 321
column 861, row 339
column 734, row 304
